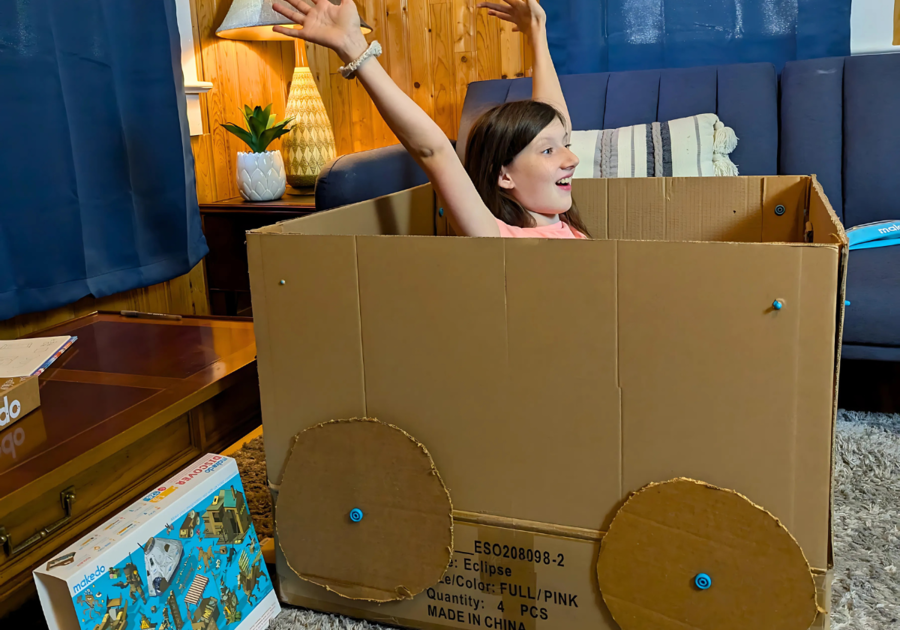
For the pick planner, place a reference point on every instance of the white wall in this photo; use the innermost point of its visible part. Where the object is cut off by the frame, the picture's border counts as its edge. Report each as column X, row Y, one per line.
column 872, row 26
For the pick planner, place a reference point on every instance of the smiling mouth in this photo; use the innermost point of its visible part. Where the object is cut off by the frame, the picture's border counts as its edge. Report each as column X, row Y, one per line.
column 565, row 181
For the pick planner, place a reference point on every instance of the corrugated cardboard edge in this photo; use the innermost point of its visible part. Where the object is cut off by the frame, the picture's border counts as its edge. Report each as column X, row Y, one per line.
column 840, row 238
column 819, row 609
column 434, row 471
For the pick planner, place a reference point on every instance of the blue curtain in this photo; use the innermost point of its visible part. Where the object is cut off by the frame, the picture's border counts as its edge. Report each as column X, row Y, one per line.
column 612, row 35
column 97, row 191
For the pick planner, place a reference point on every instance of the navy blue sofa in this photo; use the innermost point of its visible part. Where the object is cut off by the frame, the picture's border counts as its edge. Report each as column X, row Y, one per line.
column 837, row 119
column 840, row 119
column 744, row 95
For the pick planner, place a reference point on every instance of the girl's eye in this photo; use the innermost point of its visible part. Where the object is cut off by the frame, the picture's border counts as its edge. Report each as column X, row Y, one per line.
column 548, row 150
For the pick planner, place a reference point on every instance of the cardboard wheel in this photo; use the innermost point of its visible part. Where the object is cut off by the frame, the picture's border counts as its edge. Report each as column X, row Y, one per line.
column 363, row 512
column 685, row 554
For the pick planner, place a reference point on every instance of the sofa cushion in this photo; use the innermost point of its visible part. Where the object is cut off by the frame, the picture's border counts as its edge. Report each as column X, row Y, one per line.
column 812, row 123
column 694, row 146
column 356, row 177
column 871, row 138
column 873, row 290
column 839, row 121
column 742, row 95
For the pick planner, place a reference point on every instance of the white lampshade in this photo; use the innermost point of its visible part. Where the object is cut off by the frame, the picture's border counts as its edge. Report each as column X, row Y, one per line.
column 254, row 19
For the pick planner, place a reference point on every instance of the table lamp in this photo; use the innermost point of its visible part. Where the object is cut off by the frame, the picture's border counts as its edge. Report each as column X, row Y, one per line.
column 310, row 144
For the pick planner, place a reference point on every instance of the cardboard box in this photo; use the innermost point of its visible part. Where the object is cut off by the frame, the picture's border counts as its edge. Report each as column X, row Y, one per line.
column 19, row 396
column 549, row 380
column 184, row 556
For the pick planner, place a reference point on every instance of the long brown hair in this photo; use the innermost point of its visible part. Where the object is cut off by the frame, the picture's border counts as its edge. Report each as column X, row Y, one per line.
column 497, row 137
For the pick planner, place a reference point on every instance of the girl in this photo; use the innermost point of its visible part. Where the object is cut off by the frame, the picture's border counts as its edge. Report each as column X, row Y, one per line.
column 517, row 181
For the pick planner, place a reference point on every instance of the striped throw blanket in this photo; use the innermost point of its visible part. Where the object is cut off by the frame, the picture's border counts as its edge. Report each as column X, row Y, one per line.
column 696, row 146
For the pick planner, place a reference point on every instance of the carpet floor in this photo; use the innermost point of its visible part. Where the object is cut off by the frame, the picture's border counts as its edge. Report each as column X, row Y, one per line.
column 866, row 590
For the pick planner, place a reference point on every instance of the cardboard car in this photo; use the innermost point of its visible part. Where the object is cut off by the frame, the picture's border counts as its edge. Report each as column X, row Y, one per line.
column 632, row 430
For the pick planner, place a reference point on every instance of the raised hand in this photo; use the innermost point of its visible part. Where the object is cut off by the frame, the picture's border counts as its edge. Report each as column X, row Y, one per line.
column 335, row 26
column 524, row 14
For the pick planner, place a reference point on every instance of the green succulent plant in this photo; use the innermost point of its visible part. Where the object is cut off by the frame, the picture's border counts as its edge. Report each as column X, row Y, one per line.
column 261, row 128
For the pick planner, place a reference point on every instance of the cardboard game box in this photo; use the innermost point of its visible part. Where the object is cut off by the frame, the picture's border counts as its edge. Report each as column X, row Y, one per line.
column 185, row 556
column 697, row 336
column 19, row 396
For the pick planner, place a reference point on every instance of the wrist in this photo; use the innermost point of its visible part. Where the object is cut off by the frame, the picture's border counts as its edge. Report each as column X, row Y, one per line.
column 538, row 27
column 352, row 48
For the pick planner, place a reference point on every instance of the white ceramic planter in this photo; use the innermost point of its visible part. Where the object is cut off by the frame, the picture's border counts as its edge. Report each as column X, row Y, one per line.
column 260, row 176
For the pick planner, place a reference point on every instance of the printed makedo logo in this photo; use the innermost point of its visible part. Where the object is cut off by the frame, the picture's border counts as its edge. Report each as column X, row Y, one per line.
column 9, row 411
column 88, row 578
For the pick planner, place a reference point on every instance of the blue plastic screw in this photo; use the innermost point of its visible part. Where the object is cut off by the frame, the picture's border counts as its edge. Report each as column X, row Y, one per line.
column 777, row 305
column 356, row 515
column 281, row 282
column 846, row 302
column 440, row 212
column 702, row 581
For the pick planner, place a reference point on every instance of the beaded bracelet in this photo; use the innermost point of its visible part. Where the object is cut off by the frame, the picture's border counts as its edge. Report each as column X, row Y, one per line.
column 374, row 50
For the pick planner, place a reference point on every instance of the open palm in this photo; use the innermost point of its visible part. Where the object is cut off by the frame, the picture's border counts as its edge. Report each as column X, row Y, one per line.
column 323, row 23
column 522, row 13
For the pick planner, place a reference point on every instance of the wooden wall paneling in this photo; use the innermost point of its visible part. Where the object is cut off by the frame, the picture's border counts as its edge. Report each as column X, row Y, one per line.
column 527, row 57
column 227, row 63
column 376, row 16
column 201, row 148
column 464, row 25
column 361, row 110
column 340, row 98
column 397, row 29
column 187, row 293
column 487, row 46
column 153, row 299
column 464, row 52
column 443, row 61
column 208, row 16
column 273, row 81
column 465, row 74
column 511, row 62
column 317, row 58
column 421, row 35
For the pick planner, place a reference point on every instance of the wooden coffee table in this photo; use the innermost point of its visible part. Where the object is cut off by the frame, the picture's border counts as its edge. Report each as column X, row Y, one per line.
column 129, row 404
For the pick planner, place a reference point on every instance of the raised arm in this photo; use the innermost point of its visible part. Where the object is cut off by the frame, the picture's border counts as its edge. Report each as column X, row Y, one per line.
column 337, row 27
column 528, row 17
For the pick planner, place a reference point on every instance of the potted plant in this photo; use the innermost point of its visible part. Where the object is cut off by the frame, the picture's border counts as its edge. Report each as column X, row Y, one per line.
column 260, row 173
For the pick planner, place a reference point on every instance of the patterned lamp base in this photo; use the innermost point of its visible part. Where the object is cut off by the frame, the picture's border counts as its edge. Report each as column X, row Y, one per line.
column 310, row 144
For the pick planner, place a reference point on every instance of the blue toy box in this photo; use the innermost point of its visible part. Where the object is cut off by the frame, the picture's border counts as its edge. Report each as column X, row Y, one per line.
column 185, row 556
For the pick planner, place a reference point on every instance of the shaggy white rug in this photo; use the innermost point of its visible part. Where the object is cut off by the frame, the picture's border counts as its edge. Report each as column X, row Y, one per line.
column 866, row 591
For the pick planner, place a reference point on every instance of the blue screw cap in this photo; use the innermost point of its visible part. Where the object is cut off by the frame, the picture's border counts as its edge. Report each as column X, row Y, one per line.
column 356, row 515
column 281, row 282
column 440, row 212
column 846, row 302
column 702, row 581
column 777, row 304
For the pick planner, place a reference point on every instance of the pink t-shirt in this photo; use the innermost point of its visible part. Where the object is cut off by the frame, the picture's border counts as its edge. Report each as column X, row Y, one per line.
column 557, row 230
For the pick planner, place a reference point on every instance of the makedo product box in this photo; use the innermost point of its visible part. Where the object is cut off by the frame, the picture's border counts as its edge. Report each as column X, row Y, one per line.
column 184, row 556
column 630, row 431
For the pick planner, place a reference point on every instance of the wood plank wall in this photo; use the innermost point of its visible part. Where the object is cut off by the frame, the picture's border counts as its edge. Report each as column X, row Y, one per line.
column 433, row 50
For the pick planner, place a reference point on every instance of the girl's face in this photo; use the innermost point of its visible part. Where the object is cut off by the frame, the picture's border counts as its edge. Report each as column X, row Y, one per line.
column 540, row 177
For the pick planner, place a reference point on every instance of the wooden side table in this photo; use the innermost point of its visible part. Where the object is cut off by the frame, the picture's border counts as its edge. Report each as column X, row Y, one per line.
column 225, row 224
column 131, row 403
